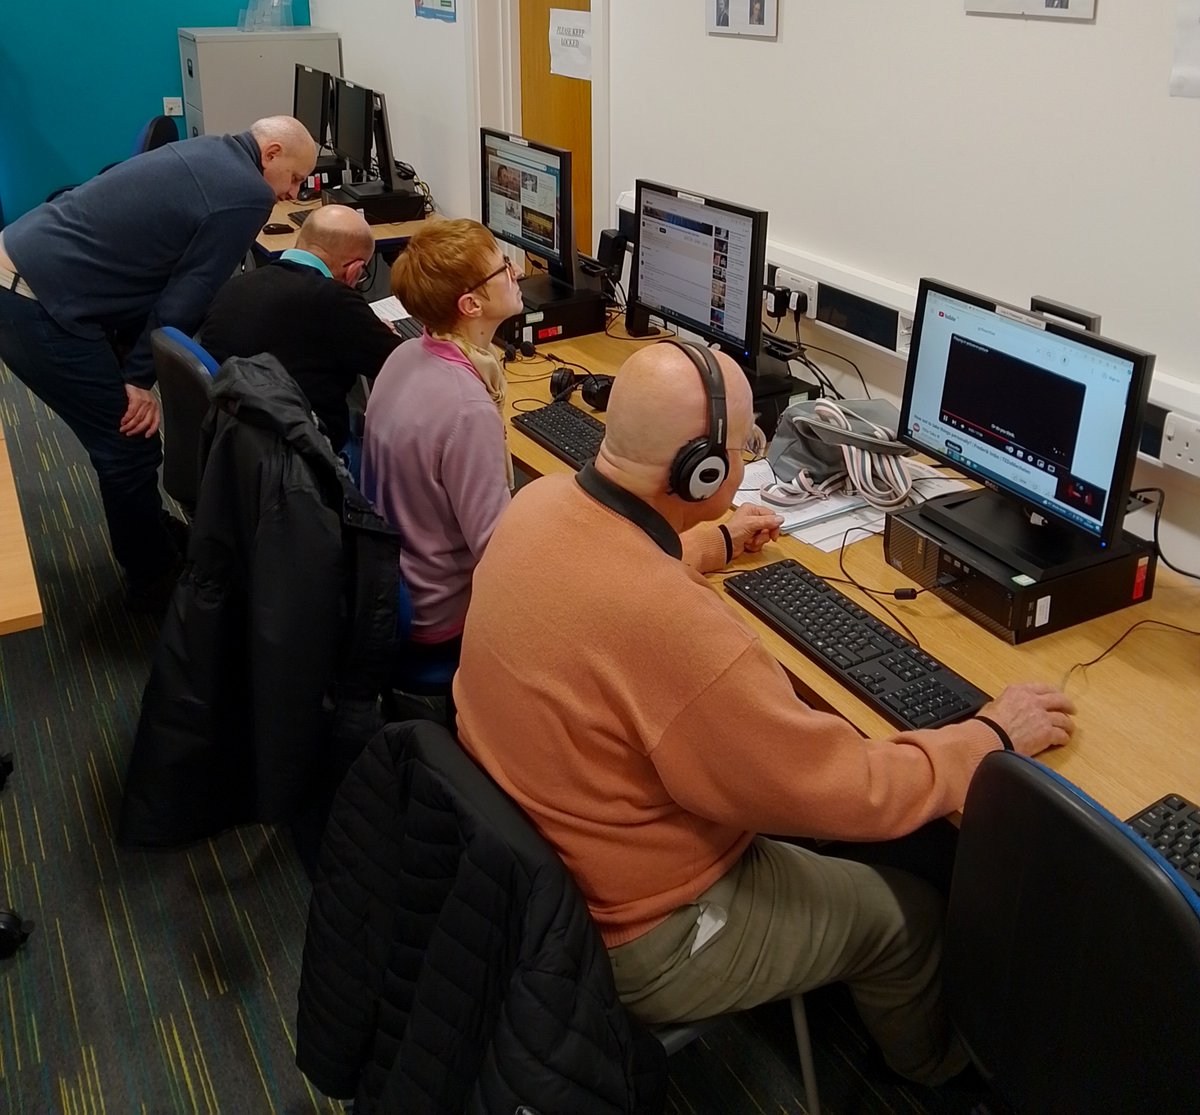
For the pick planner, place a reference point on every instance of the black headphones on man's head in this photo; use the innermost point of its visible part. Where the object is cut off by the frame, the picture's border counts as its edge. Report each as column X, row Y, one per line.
column 700, row 467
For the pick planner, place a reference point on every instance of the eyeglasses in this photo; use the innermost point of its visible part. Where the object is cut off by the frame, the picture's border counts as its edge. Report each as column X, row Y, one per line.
column 514, row 272
column 755, row 446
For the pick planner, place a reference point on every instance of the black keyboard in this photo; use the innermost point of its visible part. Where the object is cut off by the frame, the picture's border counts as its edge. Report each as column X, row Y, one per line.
column 896, row 678
column 569, row 433
column 408, row 327
column 298, row 216
column 1172, row 825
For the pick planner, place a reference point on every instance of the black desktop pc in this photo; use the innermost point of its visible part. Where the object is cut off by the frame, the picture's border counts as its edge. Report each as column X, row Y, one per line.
column 362, row 137
column 527, row 202
column 1046, row 417
column 312, row 105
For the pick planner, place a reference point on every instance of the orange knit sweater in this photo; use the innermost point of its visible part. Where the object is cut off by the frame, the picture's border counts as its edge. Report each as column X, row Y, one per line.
column 644, row 728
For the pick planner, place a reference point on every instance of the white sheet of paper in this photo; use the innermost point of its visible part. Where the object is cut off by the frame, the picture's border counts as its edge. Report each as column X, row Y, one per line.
column 571, row 43
column 1185, row 69
column 389, row 309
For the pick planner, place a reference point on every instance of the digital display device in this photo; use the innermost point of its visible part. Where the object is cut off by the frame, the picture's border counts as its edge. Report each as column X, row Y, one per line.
column 361, row 134
column 311, row 97
column 527, row 199
column 1045, row 415
column 698, row 263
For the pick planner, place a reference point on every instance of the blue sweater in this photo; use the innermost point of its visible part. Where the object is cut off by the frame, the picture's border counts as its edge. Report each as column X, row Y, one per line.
column 147, row 243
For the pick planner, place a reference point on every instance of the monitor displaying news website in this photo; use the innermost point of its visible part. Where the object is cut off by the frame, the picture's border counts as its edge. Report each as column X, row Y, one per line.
column 524, row 195
column 1038, row 413
column 694, row 264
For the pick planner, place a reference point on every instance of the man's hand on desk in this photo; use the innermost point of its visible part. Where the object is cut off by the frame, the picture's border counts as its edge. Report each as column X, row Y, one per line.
column 751, row 527
column 1035, row 716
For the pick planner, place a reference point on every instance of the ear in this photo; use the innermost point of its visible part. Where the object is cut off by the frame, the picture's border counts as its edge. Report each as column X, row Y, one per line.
column 468, row 305
column 354, row 271
column 271, row 151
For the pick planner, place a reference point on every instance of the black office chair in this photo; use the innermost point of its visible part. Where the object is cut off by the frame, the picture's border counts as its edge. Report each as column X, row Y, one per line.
column 1072, row 961
column 185, row 372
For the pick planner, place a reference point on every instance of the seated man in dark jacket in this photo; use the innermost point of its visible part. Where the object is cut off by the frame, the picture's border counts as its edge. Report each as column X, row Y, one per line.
column 322, row 332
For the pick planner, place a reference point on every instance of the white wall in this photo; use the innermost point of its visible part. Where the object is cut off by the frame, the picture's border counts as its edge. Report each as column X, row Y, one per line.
column 894, row 140
column 428, row 71
column 899, row 140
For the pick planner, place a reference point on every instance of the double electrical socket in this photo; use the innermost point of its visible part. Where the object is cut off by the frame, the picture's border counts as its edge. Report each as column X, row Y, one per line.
column 793, row 280
column 1180, row 443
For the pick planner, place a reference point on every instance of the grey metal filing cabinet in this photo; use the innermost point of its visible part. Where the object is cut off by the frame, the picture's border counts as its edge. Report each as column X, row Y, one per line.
column 232, row 78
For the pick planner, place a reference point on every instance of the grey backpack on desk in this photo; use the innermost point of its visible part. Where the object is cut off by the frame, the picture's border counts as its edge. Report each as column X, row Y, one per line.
column 808, row 443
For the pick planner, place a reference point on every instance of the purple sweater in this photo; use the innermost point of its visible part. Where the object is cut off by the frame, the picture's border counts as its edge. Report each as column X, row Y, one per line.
column 433, row 463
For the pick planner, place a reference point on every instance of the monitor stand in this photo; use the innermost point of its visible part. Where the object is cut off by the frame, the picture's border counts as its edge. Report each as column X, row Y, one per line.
column 1002, row 527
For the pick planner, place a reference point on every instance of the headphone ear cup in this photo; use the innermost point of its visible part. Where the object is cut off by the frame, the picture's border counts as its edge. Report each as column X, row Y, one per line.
column 527, row 349
column 562, row 382
column 510, row 353
column 698, row 471
column 596, row 390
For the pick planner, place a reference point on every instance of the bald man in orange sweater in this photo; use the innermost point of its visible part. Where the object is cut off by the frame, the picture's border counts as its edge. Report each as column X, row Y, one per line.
column 651, row 737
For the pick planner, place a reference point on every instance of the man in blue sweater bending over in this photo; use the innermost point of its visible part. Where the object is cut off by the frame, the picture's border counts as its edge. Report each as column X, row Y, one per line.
column 145, row 244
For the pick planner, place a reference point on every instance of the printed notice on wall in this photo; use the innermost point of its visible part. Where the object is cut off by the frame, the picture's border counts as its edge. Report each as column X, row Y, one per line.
column 446, row 10
column 571, row 43
column 1185, row 71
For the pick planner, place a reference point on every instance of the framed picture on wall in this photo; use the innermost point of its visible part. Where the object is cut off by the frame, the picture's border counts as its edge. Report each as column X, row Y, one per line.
column 1040, row 9
column 756, row 18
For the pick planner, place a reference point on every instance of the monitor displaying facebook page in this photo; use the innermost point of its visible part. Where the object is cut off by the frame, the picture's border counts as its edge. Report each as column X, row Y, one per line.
column 694, row 264
column 523, row 194
column 1037, row 413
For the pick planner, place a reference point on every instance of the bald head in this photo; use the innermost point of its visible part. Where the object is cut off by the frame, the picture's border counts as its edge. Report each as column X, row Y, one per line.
column 338, row 235
column 658, row 404
column 287, row 153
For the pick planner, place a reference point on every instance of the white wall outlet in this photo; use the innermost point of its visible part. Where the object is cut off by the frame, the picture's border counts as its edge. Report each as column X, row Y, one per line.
column 1181, row 443
column 795, row 281
column 172, row 106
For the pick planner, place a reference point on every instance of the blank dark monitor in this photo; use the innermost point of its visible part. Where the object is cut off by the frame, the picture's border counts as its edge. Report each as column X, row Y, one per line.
column 362, row 136
column 1044, row 415
column 698, row 263
column 352, row 106
column 527, row 199
column 310, row 102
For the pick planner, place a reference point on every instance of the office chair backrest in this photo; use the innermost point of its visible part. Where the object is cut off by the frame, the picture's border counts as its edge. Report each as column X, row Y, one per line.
column 185, row 372
column 158, row 131
column 1072, row 961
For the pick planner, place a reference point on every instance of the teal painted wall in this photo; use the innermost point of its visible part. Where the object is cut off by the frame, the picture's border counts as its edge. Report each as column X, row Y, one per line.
column 79, row 79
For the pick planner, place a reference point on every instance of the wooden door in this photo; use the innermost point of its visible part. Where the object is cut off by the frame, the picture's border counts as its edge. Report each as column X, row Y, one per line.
column 558, row 110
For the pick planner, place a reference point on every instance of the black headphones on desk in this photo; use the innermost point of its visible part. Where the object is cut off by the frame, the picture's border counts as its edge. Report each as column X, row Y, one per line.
column 700, row 467
column 596, row 388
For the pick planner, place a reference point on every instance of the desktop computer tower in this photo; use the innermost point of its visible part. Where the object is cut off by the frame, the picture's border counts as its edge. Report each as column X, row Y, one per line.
column 1007, row 603
column 378, row 204
column 554, row 311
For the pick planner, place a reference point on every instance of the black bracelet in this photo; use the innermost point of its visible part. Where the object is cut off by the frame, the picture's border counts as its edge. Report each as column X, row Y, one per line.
column 728, row 542
column 1008, row 743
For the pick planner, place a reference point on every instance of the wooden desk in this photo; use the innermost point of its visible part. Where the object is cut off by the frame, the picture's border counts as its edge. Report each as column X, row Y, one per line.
column 1138, row 711
column 386, row 235
column 20, row 604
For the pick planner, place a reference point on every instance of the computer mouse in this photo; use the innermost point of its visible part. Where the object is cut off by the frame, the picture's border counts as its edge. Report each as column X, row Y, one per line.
column 305, row 194
column 275, row 228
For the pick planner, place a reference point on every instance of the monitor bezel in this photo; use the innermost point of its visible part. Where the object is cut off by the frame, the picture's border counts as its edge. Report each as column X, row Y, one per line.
column 339, row 85
column 564, row 264
column 326, row 79
column 748, row 354
column 1125, row 452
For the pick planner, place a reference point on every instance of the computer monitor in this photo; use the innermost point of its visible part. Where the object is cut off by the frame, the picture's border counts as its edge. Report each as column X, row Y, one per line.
column 698, row 263
column 1045, row 415
column 311, row 95
column 527, row 201
column 361, row 134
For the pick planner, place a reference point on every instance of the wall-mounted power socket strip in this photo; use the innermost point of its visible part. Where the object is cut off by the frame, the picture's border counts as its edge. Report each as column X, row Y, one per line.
column 1181, row 443
column 807, row 285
